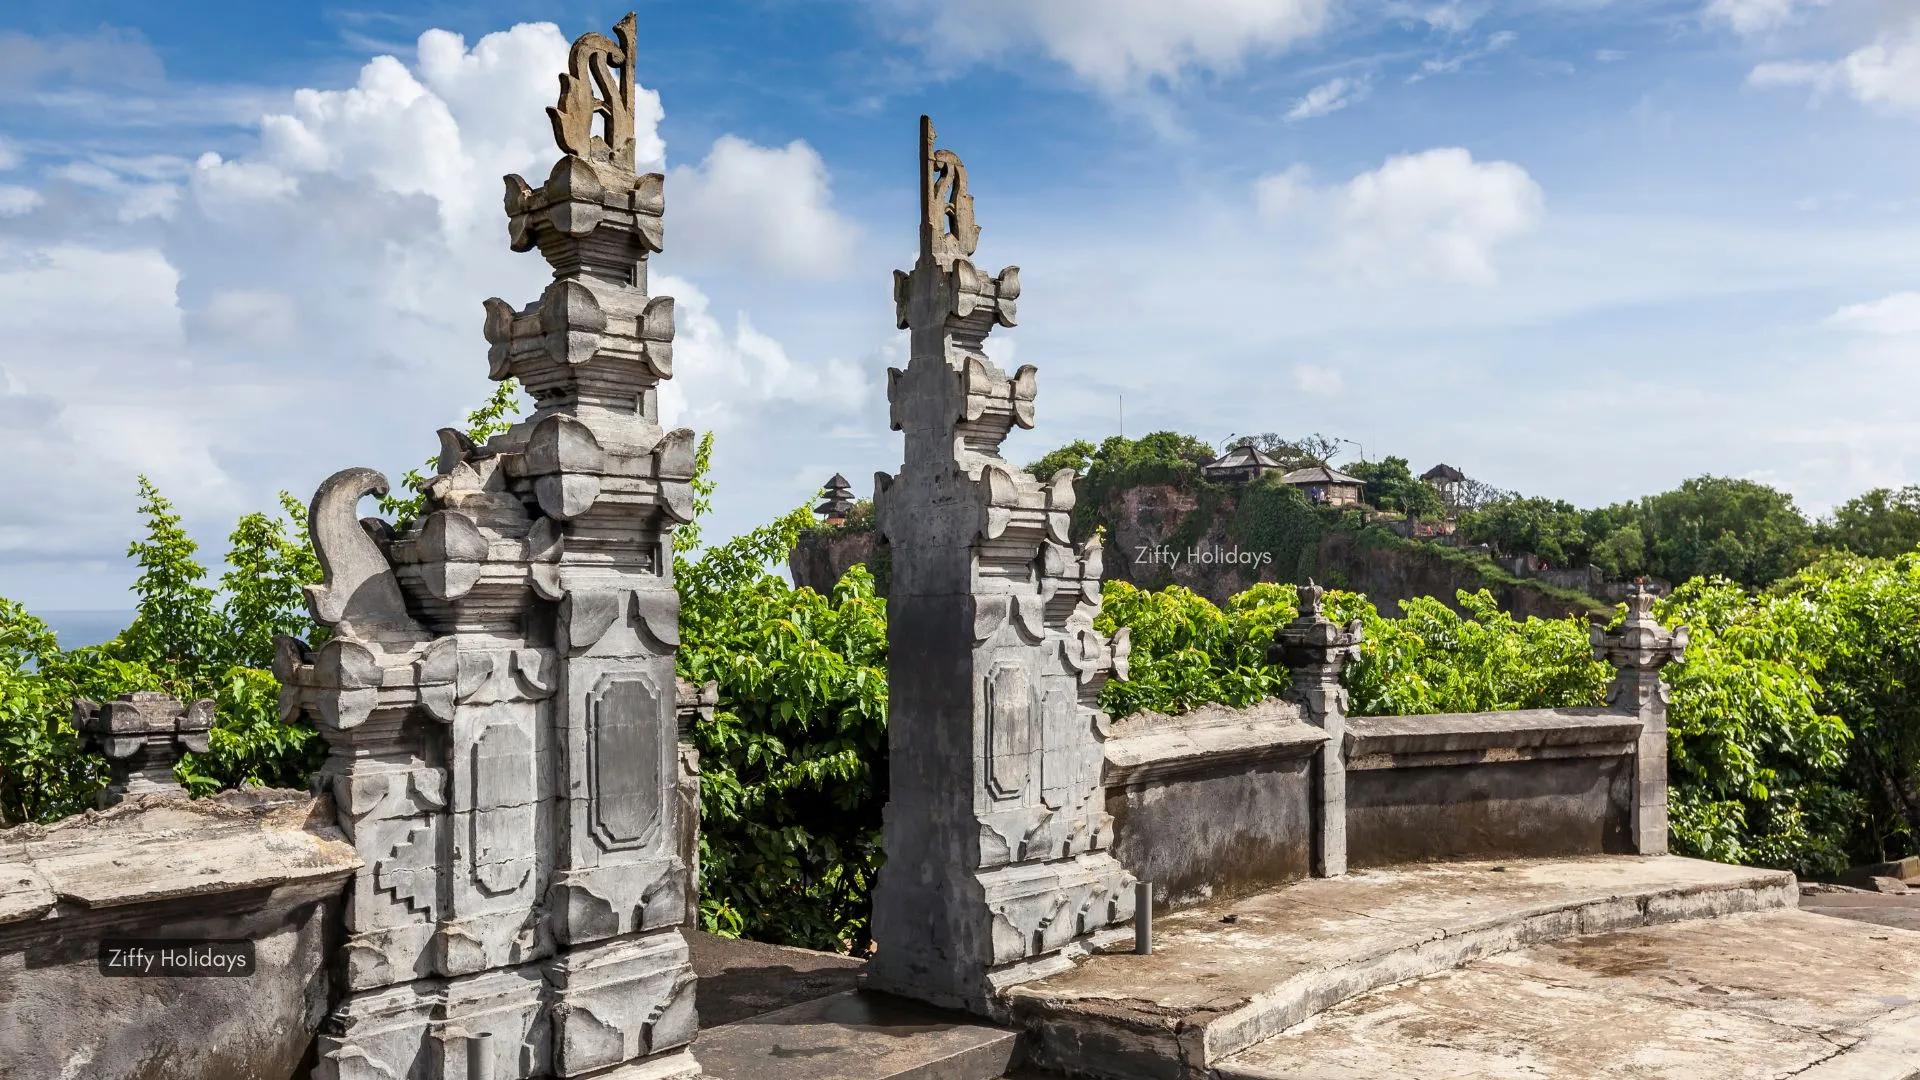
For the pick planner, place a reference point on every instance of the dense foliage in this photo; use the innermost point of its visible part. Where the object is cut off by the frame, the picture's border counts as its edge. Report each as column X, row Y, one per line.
column 793, row 766
column 1709, row 526
column 1391, row 486
column 188, row 639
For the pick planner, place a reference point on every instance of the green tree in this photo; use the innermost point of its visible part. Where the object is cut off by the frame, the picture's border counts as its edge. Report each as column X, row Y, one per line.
column 1712, row 526
column 793, row 766
column 1882, row 523
column 1550, row 528
column 1076, row 455
column 1392, row 486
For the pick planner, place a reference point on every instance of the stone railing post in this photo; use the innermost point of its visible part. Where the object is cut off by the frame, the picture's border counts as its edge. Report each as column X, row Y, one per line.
column 996, row 829
column 1638, row 649
column 143, row 735
column 1316, row 651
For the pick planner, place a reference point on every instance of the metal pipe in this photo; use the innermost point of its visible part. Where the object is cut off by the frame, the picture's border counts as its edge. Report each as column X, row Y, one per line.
column 480, row 1056
column 1143, row 918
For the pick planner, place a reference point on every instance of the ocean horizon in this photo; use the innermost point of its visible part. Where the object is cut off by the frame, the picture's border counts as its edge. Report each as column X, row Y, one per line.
column 78, row 629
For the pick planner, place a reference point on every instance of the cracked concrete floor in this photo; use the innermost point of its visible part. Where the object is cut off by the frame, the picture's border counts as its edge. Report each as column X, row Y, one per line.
column 1770, row 995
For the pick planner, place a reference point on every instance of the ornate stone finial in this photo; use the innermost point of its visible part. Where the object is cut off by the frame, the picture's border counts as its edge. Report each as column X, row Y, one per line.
column 947, row 229
column 1640, row 644
column 590, row 68
column 143, row 734
column 1313, row 643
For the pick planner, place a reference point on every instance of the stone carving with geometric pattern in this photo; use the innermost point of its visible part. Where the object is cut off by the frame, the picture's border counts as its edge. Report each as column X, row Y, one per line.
column 996, row 831
column 498, row 692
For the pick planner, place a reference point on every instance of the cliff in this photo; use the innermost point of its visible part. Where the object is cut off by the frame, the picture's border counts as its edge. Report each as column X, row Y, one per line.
column 1218, row 541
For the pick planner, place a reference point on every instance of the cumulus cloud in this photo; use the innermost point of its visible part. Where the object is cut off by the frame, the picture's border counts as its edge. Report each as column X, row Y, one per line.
column 1438, row 213
column 1749, row 17
column 1330, row 96
column 1114, row 45
column 1894, row 315
column 759, row 206
column 1885, row 73
column 231, row 324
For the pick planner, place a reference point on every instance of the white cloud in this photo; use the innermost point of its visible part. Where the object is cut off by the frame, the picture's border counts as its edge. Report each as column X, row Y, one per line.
column 1280, row 195
column 1436, row 214
column 1608, row 56
column 1439, row 211
column 1749, row 17
column 1315, row 381
column 1330, row 96
column 1885, row 73
column 1453, row 17
column 9, row 156
column 15, row 199
column 758, row 206
column 1452, row 65
column 725, row 379
column 1895, row 315
column 236, row 324
column 1114, row 45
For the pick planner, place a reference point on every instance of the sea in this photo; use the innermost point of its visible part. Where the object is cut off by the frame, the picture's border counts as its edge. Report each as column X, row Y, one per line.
column 77, row 629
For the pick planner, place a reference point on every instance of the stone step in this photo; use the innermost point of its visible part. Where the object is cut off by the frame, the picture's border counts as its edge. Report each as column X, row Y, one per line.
column 1226, row 975
column 1774, row 993
column 856, row 1035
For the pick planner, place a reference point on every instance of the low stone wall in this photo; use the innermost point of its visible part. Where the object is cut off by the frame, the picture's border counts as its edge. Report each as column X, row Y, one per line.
column 261, row 866
column 1524, row 783
column 1214, row 803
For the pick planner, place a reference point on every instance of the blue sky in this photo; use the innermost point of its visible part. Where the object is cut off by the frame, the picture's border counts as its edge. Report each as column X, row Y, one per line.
column 1584, row 248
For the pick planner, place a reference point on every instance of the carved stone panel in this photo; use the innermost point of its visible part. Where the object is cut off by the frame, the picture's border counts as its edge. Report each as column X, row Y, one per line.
column 1009, row 706
column 502, row 822
column 1060, row 753
column 625, row 726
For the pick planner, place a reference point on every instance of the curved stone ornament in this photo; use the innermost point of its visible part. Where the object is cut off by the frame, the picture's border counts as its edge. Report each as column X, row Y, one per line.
column 358, row 596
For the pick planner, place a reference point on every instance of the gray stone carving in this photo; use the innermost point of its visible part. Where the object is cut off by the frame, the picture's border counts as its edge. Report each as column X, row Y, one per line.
column 1638, row 648
column 498, row 689
column 996, row 832
column 143, row 735
column 1316, row 650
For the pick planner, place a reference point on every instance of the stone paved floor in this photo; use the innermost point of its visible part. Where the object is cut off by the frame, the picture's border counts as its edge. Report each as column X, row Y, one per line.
column 1768, row 995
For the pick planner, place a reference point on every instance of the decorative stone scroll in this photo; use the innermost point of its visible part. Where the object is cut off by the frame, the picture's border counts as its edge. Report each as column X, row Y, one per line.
column 1638, row 648
column 1316, row 650
column 498, row 688
column 143, row 735
column 996, row 833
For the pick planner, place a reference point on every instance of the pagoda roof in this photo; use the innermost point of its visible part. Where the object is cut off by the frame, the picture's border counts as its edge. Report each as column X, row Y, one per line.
column 1320, row 474
column 1241, row 457
column 1445, row 474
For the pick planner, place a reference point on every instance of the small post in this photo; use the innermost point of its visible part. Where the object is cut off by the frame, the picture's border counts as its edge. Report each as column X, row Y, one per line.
column 1638, row 649
column 1143, row 918
column 143, row 734
column 1316, row 651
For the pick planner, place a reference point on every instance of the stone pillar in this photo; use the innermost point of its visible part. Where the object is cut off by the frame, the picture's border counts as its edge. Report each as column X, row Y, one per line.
column 143, row 735
column 996, row 834
column 1316, row 651
column 696, row 705
column 1638, row 649
column 498, row 689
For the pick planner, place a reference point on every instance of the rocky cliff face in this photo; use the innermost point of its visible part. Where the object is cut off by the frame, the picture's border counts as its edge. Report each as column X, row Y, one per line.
column 1218, row 543
column 822, row 556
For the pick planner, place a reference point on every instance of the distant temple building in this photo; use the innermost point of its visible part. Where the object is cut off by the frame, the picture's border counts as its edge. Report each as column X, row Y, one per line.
column 1324, row 485
column 1240, row 465
column 1442, row 475
column 839, row 501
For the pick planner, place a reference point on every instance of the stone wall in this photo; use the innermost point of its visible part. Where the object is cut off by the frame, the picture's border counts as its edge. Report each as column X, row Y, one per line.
column 1221, row 801
column 1214, row 803
column 1526, row 783
column 263, row 866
